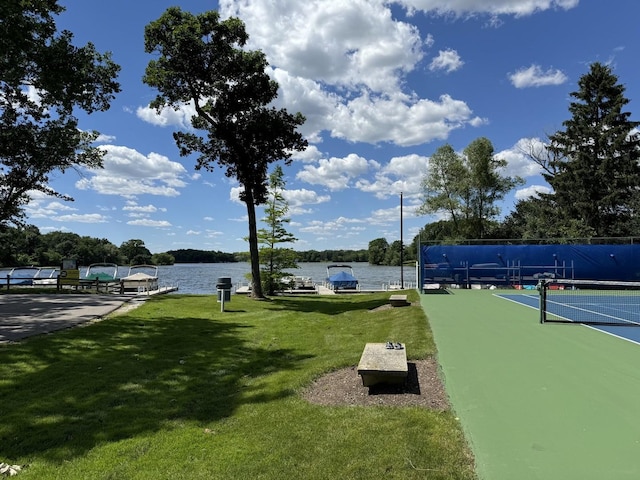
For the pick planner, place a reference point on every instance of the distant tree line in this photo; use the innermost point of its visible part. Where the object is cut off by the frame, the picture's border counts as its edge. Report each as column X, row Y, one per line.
column 333, row 256
column 201, row 256
column 330, row 256
column 27, row 246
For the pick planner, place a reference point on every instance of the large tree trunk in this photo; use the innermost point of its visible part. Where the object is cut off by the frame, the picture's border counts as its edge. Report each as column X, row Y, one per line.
column 256, row 285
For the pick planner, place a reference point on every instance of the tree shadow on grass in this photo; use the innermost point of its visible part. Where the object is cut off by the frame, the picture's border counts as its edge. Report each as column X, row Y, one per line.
column 126, row 377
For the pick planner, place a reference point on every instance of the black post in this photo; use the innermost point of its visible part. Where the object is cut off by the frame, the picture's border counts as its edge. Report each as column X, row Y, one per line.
column 542, row 287
column 401, row 248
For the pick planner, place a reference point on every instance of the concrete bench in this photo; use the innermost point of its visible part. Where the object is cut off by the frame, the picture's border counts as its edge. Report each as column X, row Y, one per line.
column 398, row 300
column 379, row 364
column 434, row 288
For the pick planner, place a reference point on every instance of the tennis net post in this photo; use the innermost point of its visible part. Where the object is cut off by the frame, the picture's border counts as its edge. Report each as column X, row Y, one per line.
column 541, row 287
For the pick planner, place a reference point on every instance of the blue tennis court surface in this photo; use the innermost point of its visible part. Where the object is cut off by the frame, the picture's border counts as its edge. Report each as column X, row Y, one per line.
column 622, row 309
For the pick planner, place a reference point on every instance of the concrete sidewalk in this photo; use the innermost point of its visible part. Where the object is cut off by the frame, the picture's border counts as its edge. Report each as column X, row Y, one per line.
column 24, row 315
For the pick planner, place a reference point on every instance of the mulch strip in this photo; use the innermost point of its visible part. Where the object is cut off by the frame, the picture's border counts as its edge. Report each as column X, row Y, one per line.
column 343, row 387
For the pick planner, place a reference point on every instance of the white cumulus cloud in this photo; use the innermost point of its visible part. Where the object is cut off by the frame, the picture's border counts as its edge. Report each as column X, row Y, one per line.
column 531, row 191
column 81, row 218
column 129, row 173
column 447, row 60
column 146, row 222
column 337, row 173
column 344, row 65
column 168, row 116
column 535, row 76
column 518, row 8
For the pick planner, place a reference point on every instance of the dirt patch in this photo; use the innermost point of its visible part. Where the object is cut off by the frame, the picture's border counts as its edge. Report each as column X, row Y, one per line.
column 130, row 305
column 423, row 388
column 388, row 306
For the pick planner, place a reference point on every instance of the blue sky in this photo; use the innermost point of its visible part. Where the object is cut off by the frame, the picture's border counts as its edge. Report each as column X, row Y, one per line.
column 382, row 84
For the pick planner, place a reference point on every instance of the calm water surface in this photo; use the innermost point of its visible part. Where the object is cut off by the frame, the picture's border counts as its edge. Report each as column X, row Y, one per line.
column 201, row 278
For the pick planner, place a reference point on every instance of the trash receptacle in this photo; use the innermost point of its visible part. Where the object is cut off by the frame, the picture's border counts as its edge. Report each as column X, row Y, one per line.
column 223, row 286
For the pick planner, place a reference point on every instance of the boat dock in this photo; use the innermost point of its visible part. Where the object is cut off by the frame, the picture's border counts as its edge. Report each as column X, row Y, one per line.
column 142, row 280
column 318, row 290
column 151, row 293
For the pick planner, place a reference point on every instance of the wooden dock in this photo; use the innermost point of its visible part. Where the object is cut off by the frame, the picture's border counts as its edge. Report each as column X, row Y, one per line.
column 151, row 293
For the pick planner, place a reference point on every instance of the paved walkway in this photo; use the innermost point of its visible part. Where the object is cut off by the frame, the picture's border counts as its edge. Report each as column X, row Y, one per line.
column 24, row 315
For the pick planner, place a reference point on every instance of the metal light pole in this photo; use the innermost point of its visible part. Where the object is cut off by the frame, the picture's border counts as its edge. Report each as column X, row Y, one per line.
column 401, row 248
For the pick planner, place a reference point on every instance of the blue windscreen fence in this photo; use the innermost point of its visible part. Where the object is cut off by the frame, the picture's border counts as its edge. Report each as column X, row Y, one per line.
column 524, row 265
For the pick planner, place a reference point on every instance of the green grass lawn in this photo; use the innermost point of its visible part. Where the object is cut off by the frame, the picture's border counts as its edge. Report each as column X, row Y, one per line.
column 176, row 389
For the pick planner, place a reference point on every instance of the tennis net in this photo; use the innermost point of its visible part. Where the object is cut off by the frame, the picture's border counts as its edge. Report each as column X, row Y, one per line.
column 590, row 302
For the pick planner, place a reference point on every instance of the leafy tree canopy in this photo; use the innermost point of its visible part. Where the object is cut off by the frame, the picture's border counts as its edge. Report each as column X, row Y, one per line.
column 43, row 78
column 135, row 252
column 201, row 61
column 467, row 187
column 377, row 251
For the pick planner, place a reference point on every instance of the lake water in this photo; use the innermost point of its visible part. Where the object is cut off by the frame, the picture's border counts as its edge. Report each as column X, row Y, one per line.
column 201, row 278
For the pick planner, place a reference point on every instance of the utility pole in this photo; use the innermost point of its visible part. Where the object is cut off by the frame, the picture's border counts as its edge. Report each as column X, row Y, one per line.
column 401, row 248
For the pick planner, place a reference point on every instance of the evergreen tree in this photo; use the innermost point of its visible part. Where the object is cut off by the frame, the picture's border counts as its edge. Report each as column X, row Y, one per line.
column 537, row 219
column 595, row 170
column 273, row 258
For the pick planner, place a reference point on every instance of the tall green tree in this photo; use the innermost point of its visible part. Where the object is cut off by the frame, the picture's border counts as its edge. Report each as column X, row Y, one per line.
column 440, row 231
column 44, row 78
column 19, row 245
column 274, row 258
column 486, row 185
column 595, row 169
column 393, row 256
column 201, row 61
column 377, row 251
column 97, row 250
column 135, row 252
column 466, row 188
column 444, row 187
column 163, row 258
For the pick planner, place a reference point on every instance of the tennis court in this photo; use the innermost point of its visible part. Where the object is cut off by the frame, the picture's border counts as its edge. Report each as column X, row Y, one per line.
column 611, row 307
column 537, row 401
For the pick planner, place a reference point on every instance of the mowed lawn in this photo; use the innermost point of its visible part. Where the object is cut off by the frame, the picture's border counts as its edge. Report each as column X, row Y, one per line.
column 178, row 390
